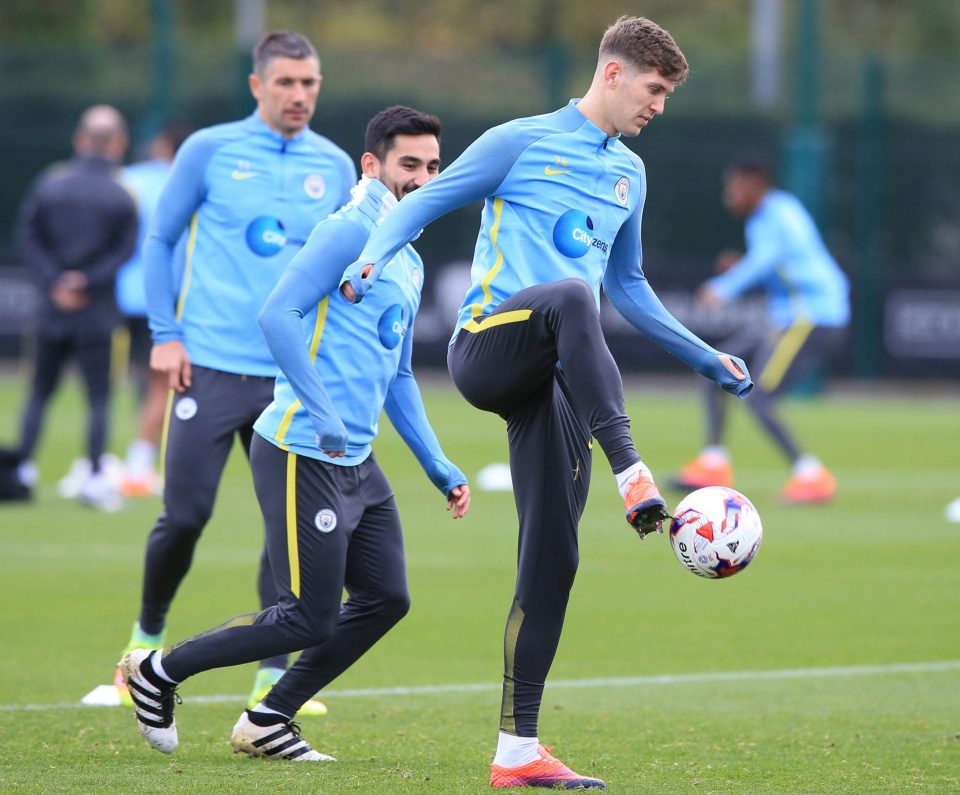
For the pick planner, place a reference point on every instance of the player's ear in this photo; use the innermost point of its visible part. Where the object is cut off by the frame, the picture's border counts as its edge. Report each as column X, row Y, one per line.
column 370, row 165
column 256, row 85
column 612, row 73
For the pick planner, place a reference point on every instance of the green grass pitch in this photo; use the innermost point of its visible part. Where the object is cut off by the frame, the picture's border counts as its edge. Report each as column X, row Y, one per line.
column 852, row 613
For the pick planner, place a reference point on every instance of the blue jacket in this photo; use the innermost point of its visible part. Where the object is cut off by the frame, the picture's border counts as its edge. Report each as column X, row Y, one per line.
column 562, row 199
column 342, row 364
column 250, row 198
column 786, row 258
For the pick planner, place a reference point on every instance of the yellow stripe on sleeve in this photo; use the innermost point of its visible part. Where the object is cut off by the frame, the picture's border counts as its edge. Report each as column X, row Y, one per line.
column 477, row 309
column 188, row 266
column 314, row 348
column 783, row 355
column 293, row 550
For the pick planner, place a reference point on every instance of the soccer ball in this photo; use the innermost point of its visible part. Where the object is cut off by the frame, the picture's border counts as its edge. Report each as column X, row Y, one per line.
column 715, row 532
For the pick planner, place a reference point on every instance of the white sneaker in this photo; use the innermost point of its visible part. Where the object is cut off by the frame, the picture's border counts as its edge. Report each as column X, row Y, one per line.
column 98, row 491
column 152, row 705
column 69, row 485
column 28, row 474
column 278, row 741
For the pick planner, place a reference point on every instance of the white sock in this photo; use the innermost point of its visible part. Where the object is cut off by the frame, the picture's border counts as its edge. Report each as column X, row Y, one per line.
column 141, row 457
column 627, row 477
column 716, row 453
column 513, row 751
column 267, row 711
column 158, row 669
column 806, row 465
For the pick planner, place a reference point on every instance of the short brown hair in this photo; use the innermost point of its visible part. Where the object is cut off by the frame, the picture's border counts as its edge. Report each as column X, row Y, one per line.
column 645, row 45
column 281, row 44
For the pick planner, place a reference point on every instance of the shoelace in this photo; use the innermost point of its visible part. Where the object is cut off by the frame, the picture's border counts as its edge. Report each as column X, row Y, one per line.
column 167, row 699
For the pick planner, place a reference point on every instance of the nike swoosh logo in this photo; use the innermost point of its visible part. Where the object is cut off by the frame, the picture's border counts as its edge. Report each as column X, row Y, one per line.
column 243, row 174
column 552, row 172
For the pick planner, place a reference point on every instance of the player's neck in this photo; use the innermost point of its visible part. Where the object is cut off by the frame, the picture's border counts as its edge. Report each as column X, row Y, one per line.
column 592, row 107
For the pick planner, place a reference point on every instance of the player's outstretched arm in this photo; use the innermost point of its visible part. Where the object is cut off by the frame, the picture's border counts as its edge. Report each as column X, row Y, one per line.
column 404, row 407
column 306, row 283
column 630, row 292
column 765, row 252
column 473, row 176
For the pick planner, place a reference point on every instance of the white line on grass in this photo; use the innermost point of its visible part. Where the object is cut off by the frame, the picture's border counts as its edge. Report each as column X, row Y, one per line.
column 570, row 684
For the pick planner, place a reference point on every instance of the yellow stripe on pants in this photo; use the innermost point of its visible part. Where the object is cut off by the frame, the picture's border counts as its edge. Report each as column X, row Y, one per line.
column 293, row 551
column 783, row 355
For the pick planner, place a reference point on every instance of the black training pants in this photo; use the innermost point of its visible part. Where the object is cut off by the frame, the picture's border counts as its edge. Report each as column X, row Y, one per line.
column 541, row 363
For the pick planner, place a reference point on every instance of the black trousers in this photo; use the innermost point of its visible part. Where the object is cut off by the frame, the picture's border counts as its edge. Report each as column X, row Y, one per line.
column 92, row 355
column 329, row 527
column 541, row 363
column 201, row 427
column 778, row 358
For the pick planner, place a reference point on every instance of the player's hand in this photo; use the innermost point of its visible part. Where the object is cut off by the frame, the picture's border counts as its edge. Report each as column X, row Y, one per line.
column 67, row 299
column 737, row 368
column 706, row 298
column 171, row 358
column 458, row 501
column 354, row 286
column 333, row 442
column 726, row 259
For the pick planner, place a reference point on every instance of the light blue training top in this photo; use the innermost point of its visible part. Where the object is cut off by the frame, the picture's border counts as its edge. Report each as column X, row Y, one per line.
column 250, row 198
column 562, row 199
column 144, row 181
column 787, row 258
column 342, row 364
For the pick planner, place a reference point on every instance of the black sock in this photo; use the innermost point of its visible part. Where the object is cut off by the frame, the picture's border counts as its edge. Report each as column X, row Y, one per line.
column 146, row 668
column 266, row 718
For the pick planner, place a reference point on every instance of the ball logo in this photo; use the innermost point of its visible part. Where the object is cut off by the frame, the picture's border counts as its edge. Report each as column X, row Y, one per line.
column 573, row 233
column 266, row 236
column 315, row 186
column 392, row 327
column 186, row 409
column 622, row 190
column 325, row 520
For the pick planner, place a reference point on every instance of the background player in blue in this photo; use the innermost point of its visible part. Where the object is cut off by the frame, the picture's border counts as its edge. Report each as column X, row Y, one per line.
column 331, row 518
column 249, row 193
column 145, row 181
column 563, row 200
column 808, row 309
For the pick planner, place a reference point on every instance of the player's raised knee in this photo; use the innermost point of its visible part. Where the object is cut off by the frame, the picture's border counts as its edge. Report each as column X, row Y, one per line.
column 574, row 296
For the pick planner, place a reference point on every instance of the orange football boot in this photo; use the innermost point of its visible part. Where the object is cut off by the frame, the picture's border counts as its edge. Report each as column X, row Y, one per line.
column 705, row 470
column 547, row 771
column 817, row 485
column 644, row 506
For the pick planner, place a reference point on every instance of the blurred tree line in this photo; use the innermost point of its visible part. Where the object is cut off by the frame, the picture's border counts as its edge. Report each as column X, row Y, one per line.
column 480, row 63
column 908, row 27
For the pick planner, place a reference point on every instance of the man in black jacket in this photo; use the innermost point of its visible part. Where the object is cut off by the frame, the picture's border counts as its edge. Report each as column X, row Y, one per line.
column 77, row 227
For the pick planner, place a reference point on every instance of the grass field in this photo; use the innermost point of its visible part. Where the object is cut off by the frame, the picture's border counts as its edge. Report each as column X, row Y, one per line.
column 831, row 665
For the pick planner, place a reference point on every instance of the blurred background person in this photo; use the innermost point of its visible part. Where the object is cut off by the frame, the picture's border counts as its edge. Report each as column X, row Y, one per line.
column 77, row 226
column 145, row 181
column 808, row 310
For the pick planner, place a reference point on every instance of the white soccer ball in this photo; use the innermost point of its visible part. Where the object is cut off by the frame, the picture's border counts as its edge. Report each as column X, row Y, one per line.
column 715, row 532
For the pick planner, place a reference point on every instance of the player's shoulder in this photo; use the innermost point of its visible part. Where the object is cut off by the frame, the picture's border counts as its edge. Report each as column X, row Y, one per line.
column 629, row 156
column 323, row 145
column 346, row 229
column 564, row 120
column 219, row 134
column 201, row 145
